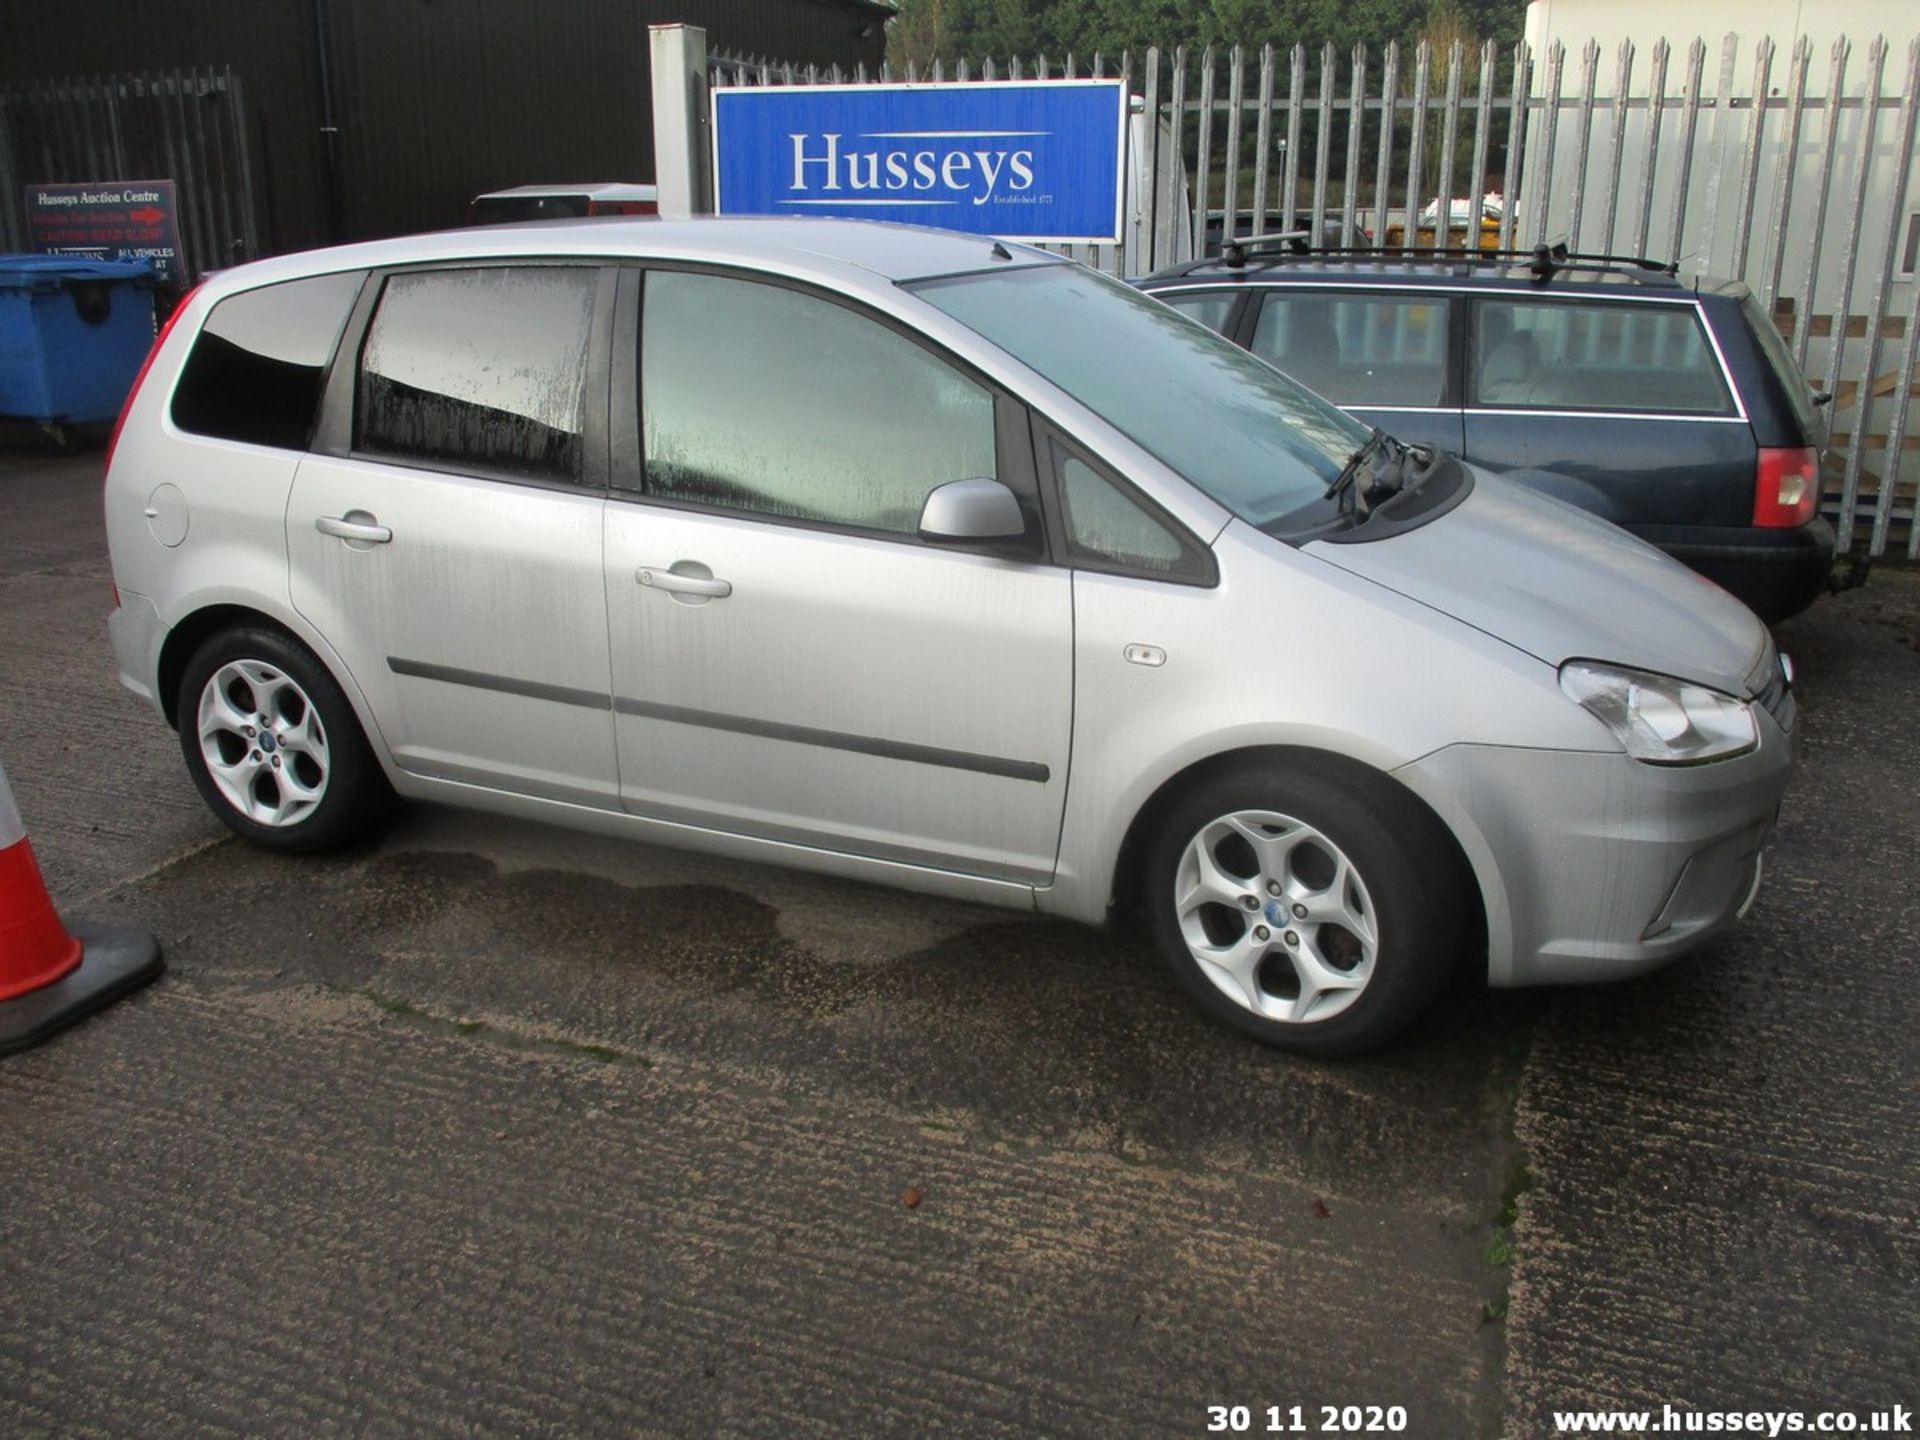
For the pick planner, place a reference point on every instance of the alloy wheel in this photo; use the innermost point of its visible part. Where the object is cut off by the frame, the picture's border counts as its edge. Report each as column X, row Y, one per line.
column 1277, row 915
column 263, row 743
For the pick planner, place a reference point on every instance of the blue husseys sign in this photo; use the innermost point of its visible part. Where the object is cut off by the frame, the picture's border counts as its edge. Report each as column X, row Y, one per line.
column 1023, row 160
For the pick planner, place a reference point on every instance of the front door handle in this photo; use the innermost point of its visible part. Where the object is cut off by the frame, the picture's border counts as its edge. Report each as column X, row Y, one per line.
column 354, row 525
column 660, row 578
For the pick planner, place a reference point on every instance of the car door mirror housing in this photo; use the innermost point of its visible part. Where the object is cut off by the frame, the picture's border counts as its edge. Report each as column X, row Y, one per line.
column 978, row 512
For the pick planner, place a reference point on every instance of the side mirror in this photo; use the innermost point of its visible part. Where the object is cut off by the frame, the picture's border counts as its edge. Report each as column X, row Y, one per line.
column 973, row 512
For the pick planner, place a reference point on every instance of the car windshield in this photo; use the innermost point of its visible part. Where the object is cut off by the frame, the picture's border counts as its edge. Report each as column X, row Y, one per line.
column 1255, row 441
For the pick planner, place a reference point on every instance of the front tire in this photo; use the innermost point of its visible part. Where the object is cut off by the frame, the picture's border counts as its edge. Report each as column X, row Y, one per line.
column 1309, row 903
column 274, row 746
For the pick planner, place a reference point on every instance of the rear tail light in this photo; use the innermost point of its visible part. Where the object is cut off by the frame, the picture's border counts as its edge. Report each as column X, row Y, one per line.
column 622, row 207
column 159, row 341
column 1786, row 487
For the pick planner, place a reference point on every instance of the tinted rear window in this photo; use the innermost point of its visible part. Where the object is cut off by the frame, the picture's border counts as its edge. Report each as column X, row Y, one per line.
column 260, row 361
column 1597, row 356
column 1799, row 393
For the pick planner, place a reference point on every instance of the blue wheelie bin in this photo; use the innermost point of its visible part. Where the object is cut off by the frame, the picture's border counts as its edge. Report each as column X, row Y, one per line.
column 73, row 335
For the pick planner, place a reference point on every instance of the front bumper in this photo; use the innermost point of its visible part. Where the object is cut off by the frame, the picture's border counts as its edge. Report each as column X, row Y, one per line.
column 1594, row 866
column 137, row 634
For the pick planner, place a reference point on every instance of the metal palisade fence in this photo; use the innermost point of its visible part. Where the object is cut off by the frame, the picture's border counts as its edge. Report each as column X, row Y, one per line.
column 188, row 126
column 1785, row 163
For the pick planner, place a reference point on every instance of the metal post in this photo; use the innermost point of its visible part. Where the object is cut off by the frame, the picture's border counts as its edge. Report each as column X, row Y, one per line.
column 1356, row 117
column 1850, row 253
column 1550, row 125
column 1516, row 140
column 1656, row 121
column 1416, row 145
column 1383, row 161
column 1203, row 155
column 1263, row 137
column 1617, row 145
column 1836, row 84
column 329, row 124
column 1783, row 183
column 1897, row 424
column 1230, row 179
column 682, row 163
column 1750, row 165
column 1147, row 247
column 1296, row 89
column 1322, row 139
column 1171, row 220
column 1583, row 130
column 1689, row 127
column 1876, row 322
column 1449, row 137
column 1721, row 144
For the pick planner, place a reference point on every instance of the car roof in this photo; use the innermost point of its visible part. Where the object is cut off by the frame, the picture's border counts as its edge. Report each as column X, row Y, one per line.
column 849, row 253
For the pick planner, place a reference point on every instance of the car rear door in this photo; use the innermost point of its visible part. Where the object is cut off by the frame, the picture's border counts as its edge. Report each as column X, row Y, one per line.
column 1386, row 357
column 790, row 661
column 445, row 535
column 1620, row 406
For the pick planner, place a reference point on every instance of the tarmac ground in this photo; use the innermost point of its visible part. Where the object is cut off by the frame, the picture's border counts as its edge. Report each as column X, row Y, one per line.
column 488, row 1128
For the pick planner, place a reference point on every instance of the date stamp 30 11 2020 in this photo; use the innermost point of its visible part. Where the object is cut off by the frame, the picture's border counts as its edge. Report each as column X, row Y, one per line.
column 1306, row 1419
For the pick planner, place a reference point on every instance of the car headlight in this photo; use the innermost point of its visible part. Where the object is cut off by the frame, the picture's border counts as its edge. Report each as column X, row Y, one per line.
column 1659, row 719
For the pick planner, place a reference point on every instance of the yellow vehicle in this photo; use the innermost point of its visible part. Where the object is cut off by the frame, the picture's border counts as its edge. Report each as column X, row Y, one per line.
column 1429, row 235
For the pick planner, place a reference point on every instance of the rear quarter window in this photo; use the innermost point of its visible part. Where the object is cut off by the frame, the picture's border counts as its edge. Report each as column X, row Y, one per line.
column 1589, row 355
column 1799, row 393
column 259, row 362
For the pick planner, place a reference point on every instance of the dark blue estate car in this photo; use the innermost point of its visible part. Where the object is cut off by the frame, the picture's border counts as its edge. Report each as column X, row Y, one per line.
column 1673, row 410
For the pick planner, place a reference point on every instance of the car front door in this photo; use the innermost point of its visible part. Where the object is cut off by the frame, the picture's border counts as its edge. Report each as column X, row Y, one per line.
column 445, row 535
column 790, row 660
column 1387, row 357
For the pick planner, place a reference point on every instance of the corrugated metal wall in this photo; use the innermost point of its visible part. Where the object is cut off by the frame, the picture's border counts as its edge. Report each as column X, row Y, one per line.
column 435, row 100
column 269, row 46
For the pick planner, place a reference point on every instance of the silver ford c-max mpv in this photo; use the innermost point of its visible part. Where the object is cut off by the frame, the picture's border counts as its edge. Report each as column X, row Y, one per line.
column 921, row 559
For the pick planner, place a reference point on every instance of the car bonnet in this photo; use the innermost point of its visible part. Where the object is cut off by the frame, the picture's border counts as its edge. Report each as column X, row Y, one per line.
column 1561, row 585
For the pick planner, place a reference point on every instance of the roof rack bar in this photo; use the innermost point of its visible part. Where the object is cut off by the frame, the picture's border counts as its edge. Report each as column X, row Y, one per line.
column 1234, row 253
column 1544, row 260
column 1561, row 256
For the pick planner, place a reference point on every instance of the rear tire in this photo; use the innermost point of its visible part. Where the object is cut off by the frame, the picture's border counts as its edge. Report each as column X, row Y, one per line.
column 273, row 744
column 1312, row 904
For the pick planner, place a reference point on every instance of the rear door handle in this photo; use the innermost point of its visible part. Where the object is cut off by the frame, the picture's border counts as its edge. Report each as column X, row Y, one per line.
column 354, row 525
column 664, row 579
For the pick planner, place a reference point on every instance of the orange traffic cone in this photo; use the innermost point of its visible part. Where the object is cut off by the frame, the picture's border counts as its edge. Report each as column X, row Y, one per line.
column 50, row 976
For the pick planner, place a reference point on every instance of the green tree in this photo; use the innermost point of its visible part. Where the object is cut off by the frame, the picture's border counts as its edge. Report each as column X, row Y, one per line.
column 975, row 29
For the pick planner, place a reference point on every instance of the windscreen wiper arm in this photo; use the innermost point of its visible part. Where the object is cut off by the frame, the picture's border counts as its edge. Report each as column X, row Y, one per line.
column 1343, row 482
